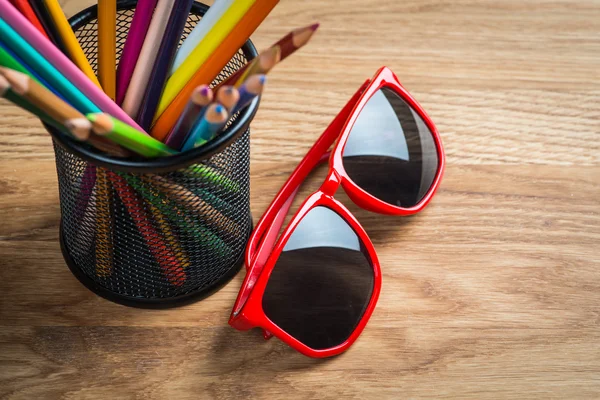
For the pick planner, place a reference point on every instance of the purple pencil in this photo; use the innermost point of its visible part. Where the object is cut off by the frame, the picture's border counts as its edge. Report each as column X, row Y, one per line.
column 164, row 59
column 133, row 45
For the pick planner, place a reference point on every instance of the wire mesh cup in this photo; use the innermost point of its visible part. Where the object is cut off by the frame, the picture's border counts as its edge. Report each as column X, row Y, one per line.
column 162, row 232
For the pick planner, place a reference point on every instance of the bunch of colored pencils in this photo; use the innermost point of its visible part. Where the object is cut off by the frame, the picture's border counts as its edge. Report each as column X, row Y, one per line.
column 158, row 102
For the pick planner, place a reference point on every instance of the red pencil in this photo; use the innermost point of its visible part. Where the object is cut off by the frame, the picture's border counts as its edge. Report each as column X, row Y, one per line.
column 25, row 8
column 168, row 261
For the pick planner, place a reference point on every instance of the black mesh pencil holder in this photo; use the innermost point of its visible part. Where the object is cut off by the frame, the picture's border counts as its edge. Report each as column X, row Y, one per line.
column 163, row 232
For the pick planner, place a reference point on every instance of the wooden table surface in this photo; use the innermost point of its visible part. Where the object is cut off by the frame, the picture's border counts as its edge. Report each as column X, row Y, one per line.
column 492, row 292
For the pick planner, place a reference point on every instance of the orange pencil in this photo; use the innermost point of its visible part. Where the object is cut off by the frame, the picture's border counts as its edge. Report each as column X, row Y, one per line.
column 213, row 65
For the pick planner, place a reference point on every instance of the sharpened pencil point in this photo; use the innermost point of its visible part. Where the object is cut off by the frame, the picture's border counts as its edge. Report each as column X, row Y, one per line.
column 202, row 96
column 79, row 127
column 4, row 85
column 219, row 108
column 314, row 27
column 101, row 123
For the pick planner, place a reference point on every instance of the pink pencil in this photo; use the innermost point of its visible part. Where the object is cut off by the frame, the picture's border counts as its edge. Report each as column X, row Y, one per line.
column 46, row 48
column 133, row 45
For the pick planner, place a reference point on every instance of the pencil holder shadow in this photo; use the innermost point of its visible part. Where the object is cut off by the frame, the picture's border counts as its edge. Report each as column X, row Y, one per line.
column 162, row 232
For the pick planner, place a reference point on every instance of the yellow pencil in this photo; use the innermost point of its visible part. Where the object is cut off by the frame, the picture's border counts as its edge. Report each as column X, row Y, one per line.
column 203, row 51
column 169, row 236
column 70, row 41
column 104, row 248
column 107, row 42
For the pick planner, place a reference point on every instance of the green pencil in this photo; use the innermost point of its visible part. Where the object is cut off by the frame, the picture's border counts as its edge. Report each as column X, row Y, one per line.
column 8, row 61
column 128, row 137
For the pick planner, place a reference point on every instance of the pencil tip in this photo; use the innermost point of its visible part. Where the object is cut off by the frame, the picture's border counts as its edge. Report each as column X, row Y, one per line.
column 219, row 108
column 262, row 79
column 315, row 26
column 4, row 85
column 204, row 90
column 79, row 127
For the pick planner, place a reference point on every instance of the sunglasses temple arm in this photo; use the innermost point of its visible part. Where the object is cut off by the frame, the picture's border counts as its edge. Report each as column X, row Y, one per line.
column 270, row 238
column 270, row 224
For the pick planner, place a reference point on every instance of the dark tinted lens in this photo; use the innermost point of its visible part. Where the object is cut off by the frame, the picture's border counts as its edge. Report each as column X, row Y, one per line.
column 390, row 152
column 322, row 282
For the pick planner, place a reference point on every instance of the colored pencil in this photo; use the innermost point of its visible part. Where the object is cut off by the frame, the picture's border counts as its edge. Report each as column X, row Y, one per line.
column 78, row 128
column 46, row 49
column 104, row 237
column 36, row 61
column 228, row 96
column 288, row 45
column 164, row 59
column 166, row 259
column 10, row 60
column 189, row 200
column 86, row 184
column 211, row 42
column 200, row 98
column 83, row 240
column 191, row 223
column 133, row 45
column 69, row 39
column 40, row 10
column 107, row 45
column 170, row 237
column 25, row 8
column 202, row 28
column 214, row 118
column 211, row 173
column 249, row 90
column 47, row 101
column 261, row 64
column 7, row 92
column 168, row 112
column 128, row 137
column 141, row 73
column 107, row 145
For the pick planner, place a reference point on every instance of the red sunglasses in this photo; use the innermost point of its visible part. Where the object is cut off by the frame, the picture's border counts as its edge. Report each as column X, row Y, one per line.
column 317, row 285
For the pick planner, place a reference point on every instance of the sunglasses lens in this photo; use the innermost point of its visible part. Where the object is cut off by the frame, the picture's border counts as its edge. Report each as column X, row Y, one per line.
column 322, row 282
column 390, row 152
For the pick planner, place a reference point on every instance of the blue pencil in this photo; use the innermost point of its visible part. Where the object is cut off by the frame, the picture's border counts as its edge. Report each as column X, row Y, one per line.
column 249, row 90
column 214, row 118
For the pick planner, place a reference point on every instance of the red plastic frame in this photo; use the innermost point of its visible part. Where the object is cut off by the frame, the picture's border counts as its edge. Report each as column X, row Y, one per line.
column 264, row 248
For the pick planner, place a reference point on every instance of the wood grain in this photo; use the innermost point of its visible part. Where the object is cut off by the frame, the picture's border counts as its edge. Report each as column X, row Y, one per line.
column 492, row 292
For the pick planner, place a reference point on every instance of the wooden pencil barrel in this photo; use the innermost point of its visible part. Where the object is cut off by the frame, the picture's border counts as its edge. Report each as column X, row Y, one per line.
column 163, row 232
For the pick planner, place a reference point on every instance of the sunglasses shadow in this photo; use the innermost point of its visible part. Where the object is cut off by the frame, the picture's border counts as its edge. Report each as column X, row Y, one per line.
column 249, row 351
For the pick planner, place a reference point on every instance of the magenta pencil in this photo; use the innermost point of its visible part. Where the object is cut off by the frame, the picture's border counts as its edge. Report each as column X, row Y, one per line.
column 133, row 45
column 47, row 49
column 88, row 181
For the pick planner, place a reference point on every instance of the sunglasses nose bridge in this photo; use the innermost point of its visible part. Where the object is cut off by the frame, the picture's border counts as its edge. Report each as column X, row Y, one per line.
column 331, row 184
